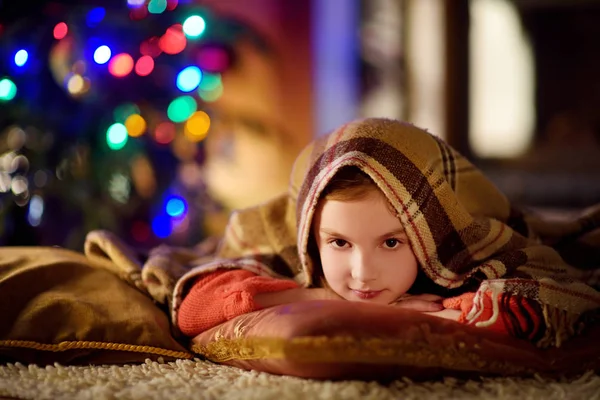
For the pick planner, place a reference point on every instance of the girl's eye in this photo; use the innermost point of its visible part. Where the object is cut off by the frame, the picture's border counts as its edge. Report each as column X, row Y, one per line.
column 338, row 243
column 391, row 243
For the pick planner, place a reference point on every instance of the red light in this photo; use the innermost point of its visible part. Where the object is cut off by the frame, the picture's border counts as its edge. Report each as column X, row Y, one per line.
column 144, row 66
column 120, row 65
column 138, row 13
column 151, row 47
column 140, row 231
column 164, row 133
column 60, row 30
column 172, row 4
column 173, row 41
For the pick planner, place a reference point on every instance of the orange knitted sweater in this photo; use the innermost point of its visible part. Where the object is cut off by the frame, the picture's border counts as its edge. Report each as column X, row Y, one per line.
column 224, row 294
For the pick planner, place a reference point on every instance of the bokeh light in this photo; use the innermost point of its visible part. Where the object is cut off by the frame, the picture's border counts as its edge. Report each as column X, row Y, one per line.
column 8, row 89
column 136, row 3
column 21, row 57
column 140, row 231
column 172, row 4
column 136, row 125
column 102, row 54
column 120, row 65
column 95, row 16
column 116, row 136
column 173, row 41
column 123, row 111
column 194, row 26
column 151, row 47
column 213, row 58
column 181, row 108
column 164, row 132
column 197, row 126
column 157, row 6
column 210, row 81
column 211, row 95
column 60, row 30
column 161, row 226
column 36, row 210
column 189, row 78
column 176, row 206
column 75, row 84
column 144, row 66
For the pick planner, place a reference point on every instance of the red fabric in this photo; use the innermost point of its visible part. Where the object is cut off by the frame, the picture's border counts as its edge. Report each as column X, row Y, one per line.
column 527, row 320
column 223, row 295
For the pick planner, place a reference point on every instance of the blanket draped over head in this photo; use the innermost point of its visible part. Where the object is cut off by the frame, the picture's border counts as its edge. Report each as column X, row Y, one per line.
column 460, row 228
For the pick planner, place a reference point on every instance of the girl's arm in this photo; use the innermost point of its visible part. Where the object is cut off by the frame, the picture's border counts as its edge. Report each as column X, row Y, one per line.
column 224, row 294
column 518, row 316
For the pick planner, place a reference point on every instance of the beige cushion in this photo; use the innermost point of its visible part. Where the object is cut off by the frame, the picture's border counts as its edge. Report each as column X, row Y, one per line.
column 57, row 305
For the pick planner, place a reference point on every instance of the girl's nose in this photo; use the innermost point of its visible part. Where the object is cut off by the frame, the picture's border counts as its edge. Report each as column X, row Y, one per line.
column 362, row 268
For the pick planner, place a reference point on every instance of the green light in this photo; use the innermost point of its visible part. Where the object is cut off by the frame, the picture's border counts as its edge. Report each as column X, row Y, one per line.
column 123, row 111
column 181, row 108
column 157, row 6
column 8, row 90
column 194, row 26
column 210, row 82
column 116, row 136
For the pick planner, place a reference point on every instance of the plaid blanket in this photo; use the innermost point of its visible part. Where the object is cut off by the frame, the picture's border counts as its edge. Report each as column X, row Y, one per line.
column 460, row 227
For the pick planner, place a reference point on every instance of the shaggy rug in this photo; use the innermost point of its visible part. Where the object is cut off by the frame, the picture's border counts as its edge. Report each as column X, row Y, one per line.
column 187, row 379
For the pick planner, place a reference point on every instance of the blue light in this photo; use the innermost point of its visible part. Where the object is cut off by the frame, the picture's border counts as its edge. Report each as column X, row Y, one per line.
column 102, row 54
column 95, row 16
column 21, row 57
column 161, row 226
column 176, row 207
column 189, row 78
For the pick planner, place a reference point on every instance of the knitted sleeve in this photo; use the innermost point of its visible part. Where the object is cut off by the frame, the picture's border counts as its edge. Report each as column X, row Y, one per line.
column 223, row 295
column 517, row 316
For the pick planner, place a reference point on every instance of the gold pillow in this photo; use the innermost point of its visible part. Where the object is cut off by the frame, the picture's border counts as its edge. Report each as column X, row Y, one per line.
column 350, row 340
column 58, row 306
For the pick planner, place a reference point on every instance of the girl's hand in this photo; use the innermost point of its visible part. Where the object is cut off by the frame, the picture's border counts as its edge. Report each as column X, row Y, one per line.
column 429, row 303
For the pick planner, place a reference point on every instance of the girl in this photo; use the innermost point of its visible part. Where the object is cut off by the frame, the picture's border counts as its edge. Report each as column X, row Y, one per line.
column 384, row 212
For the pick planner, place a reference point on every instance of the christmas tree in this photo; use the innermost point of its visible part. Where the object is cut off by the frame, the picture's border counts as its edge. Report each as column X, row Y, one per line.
column 103, row 112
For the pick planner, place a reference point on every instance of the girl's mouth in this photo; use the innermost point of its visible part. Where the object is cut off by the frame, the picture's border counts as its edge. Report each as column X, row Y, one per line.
column 367, row 294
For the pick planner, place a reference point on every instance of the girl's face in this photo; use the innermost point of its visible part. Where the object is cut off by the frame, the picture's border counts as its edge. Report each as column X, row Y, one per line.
column 364, row 250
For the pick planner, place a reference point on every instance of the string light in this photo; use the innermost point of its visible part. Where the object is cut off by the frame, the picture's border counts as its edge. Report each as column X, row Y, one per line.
column 194, row 26
column 181, row 108
column 21, row 57
column 120, row 65
column 8, row 90
column 189, row 78
column 102, row 54
column 60, row 31
column 116, row 136
column 144, row 66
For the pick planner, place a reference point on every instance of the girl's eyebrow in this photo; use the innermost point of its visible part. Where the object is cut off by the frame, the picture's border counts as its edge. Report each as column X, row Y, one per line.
column 331, row 233
column 395, row 232
column 399, row 231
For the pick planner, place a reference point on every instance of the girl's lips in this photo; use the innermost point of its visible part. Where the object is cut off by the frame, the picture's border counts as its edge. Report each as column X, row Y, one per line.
column 367, row 294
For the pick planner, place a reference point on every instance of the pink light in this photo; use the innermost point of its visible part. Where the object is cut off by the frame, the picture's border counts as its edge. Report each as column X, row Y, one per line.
column 60, row 30
column 144, row 66
column 212, row 59
column 120, row 65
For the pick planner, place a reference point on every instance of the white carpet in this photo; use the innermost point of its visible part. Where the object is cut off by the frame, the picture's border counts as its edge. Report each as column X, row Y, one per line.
column 186, row 379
